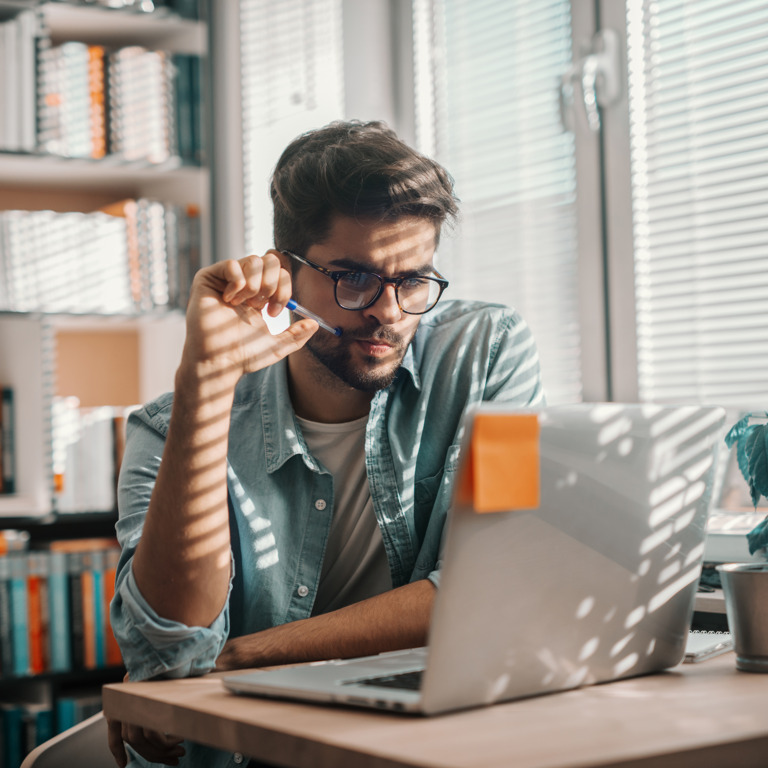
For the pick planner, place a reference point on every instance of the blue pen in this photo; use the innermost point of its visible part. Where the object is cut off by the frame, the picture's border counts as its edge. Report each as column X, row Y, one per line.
column 299, row 310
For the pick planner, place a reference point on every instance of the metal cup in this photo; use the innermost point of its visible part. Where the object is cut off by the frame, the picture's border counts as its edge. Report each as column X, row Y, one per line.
column 745, row 587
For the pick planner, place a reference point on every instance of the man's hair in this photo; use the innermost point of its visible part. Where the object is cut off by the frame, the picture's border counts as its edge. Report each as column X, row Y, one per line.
column 355, row 169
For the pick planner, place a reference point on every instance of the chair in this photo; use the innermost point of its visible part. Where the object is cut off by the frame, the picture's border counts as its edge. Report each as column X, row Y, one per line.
column 84, row 745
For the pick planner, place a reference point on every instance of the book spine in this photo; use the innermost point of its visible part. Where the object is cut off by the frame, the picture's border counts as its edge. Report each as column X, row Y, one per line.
column 89, row 619
column 27, row 30
column 8, row 426
column 65, row 713
column 58, row 596
column 99, row 618
column 6, row 623
column 75, row 568
column 96, row 84
column 114, row 657
column 12, row 751
column 198, row 125
column 35, row 614
column 19, row 614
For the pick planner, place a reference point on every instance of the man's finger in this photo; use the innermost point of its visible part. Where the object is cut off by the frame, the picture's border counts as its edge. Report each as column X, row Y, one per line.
column 115, row 742
column 153, row 746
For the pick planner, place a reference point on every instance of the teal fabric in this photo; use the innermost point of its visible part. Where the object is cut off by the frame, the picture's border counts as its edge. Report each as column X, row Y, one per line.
column 463, row 353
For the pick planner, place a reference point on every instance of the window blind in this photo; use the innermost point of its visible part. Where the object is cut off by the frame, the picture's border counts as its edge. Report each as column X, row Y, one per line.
column 698, row 93
column 487, row 76
column 292, row 81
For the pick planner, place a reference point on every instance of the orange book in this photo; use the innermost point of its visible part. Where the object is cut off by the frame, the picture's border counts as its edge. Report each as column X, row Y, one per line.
column 35, row 617
column 89, row 618
column 114, row 657
column 83, row 545
column 97, row 111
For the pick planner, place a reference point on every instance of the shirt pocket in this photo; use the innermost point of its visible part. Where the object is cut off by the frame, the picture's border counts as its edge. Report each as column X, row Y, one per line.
column 432, row 495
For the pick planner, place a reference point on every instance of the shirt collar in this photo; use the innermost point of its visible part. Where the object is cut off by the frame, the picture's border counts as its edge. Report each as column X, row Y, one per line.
column 282, row 436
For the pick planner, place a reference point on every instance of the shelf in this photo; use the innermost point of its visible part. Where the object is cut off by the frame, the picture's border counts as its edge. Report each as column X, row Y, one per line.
column 117, row 27
column 108, row 174
column 79, row 677
column 52, row 527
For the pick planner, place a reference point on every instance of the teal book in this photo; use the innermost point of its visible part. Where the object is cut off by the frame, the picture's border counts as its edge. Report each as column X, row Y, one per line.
column 66, row 713
column 19, row 613
column 99, row 619
column 11, row 747
column 184, row 113
column 60, row 629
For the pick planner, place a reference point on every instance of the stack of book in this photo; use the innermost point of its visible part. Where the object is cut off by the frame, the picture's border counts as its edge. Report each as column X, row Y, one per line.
column 71, row 104
column 142, row 117
column 54, row 608
column 27, row 724
column 135, row 256
column 23, row 726
column 87, row 452
column 133, row 104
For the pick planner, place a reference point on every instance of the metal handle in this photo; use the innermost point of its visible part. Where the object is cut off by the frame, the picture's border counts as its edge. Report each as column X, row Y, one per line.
column 598, row 75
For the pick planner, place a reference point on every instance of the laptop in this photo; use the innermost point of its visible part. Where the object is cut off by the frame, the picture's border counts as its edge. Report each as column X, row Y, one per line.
column 571, row 557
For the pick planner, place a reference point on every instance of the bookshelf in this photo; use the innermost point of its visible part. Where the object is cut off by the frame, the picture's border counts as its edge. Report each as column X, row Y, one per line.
column 44, row 181
column 64, row 344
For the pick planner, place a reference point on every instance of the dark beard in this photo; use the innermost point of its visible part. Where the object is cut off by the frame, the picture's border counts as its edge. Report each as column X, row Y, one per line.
column 335, row 357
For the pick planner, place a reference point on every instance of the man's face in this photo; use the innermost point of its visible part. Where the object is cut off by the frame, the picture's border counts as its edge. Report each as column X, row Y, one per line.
column 374, row 340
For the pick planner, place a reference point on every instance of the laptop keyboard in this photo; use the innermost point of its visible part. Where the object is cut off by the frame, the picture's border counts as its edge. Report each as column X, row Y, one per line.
column 409, row 681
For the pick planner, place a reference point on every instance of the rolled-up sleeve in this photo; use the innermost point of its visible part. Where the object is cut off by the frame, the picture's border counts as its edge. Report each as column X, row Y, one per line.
column 151, row 645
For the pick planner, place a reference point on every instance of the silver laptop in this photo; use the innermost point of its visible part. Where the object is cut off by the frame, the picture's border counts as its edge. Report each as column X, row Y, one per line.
column 572, row 556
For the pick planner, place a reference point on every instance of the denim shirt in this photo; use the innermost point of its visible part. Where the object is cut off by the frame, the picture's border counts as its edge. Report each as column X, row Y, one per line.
column 281, row 498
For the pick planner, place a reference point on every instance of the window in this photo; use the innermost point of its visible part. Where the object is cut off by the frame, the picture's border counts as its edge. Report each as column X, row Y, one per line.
column 698, row 102
column 292, row 81
column 487, row 108
column 636, row 247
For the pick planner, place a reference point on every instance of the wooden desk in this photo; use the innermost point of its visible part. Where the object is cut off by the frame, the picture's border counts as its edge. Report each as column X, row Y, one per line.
column 703, row 715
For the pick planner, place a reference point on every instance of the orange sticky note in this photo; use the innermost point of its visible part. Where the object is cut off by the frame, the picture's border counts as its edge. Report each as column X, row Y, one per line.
column 504, row 462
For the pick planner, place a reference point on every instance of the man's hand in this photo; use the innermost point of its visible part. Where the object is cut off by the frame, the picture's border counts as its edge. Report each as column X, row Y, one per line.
column 182, row 561
column 151, row 745
column 226, row 332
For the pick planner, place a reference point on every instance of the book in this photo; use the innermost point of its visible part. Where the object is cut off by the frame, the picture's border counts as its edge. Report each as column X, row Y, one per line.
column 7, row 440
column 98, row 115
column 19, row 613
column 12, row 742
column 703, row 645
column 6, row 622
column 58, row 598
column 114, row 657
column 76, row 627
column 37, row 612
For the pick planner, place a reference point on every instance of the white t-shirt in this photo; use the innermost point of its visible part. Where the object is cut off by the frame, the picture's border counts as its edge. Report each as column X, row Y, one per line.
column 355, row 564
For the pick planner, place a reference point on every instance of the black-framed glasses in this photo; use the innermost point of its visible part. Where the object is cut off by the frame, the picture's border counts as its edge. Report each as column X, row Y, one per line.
column 355, row 290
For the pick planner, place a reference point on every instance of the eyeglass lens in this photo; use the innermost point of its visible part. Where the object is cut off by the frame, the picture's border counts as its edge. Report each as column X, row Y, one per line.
column 357, row 290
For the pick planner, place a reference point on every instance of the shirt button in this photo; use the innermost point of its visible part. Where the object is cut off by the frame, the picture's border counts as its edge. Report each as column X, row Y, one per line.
column 238, row 758
column 303, row 591
column 320, row 504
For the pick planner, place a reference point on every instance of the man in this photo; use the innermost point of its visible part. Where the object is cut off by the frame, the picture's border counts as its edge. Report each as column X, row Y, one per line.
column 287, row 502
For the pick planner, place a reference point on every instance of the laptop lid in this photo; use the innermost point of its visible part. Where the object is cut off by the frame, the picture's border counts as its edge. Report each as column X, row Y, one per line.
column 584, row 572
column 572, row 555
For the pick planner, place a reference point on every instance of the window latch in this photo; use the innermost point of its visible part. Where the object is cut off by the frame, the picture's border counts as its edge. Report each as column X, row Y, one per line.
column 597, row 74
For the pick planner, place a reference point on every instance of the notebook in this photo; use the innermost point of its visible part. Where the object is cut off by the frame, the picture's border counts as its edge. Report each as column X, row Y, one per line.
column 571, row 557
